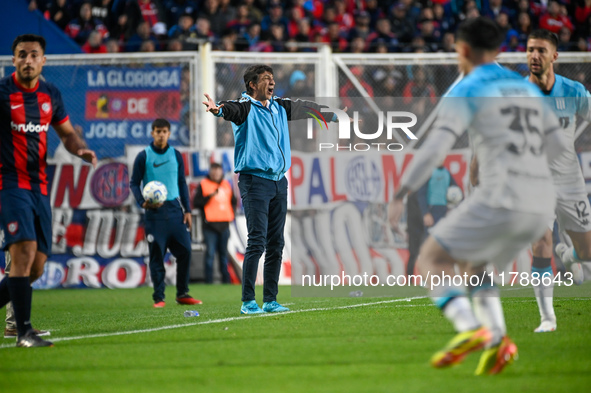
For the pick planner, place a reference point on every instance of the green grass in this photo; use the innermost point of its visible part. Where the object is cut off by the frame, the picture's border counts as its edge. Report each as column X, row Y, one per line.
column 372, row 348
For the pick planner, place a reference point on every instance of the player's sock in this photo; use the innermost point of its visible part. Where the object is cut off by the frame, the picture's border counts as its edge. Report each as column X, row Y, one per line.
column 487, row 308
column 20, row 294
column 456, row 307
column 4, row 292
column 544, row 291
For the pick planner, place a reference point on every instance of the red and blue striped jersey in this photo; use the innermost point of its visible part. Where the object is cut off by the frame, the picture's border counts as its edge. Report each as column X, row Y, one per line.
column 25, row 116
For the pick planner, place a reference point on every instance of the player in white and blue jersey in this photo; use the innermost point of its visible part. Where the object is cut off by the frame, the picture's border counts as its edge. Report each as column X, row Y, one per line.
column 514, row 136
column 569, row 100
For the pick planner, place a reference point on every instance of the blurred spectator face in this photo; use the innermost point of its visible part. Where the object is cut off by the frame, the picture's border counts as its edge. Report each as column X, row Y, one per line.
column 582, row 45
column 523, row 5
column 524, row 20
column 185, row 22
column 228, row 43
column 438, row 11
column 94, row 39
column 242, row 12
column 362, row 20
column 329, row 15
column 341, row 8
column 296, row 14
column 112, row 46
column 496, row 3
column 383, row 26
column 175, row 46
column 371, row 4
column 277, row 32
column 418, row 44
column 503, row 20
column 143, row 30
column 148, row 46
column 203, row 26
column 212, row 6
column 553, row 8
column 564, row 35
column 357, row 45
column 304, row 26
column 427, row 13
column 333, row 31
column 399, row 11
column 291, row 45
column 472, row 13
column 86, row 11
column 427, row 28
column 276, row 12
column 449, row 42
column 382, row 48
column 254, row 30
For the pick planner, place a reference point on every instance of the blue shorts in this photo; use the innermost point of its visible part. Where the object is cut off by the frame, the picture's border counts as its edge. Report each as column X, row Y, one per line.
column 25, row 215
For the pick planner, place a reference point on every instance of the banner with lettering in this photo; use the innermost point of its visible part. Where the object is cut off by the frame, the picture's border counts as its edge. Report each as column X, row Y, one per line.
column 115, row 106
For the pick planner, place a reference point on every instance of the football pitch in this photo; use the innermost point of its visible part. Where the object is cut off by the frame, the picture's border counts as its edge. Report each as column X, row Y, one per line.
column 114, row 341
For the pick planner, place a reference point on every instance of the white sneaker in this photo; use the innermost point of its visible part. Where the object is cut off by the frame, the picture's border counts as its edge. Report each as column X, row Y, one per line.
column 546, row 326
column 573, row 267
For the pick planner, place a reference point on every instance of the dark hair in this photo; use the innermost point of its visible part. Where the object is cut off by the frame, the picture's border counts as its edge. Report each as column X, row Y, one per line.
column 252, row 75
column 481, row 33
column 543, row 34
column 160, row 123
column 215, row 165
column 28, row 38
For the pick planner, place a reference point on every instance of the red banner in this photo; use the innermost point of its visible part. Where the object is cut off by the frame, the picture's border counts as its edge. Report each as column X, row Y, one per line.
column 133, row 105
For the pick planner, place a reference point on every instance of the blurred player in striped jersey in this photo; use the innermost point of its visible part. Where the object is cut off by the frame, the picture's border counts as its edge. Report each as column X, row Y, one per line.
column 28, row 105
column 514, row 136
column 569, row 99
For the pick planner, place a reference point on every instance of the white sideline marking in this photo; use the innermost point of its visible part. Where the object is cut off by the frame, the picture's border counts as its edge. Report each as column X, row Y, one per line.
column 230, row 319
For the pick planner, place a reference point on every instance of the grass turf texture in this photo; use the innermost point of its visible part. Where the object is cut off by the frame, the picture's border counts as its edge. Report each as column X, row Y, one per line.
column 371, row 348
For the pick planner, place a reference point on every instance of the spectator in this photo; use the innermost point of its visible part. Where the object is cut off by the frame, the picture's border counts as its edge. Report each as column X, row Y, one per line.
column 294, row 24
column 553, row 20
column 59, row 13
column 431, row 36
column 203, row 29
column 275, row 16
column 254, row 12
column 211, row 11
column 494, row 8
column 94, row 44
column 375, row 13
column 448, row 43
column 361, row 28
column 242, row 21
column 357, row 45
column 277, row 35
column 564, row 42
column 102, row 10
column 148, row 46
column 217, row 202
column 174, row 45
column 227, row 12
column 524, row 27
column 343, row 17
column 177, row 8
column 512, row 43
column 333, row 37
column 80, row 28
column 150, row 12
column 419, row 92
column 349, row 90
column 445, row 23
column 183, row 31
column 383, row 34
column 112, row 46
column 143, row 34
column 401, row 25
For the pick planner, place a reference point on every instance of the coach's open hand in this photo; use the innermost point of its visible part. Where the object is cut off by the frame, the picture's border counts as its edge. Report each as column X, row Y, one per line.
column 211, row 106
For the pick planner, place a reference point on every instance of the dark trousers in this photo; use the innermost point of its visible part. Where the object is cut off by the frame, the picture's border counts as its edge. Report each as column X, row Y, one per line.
column 265, row 208
column 216, row 241
column 174, row 235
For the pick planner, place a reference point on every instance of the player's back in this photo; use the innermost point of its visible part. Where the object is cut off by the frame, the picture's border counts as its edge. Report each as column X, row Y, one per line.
column 506, row 119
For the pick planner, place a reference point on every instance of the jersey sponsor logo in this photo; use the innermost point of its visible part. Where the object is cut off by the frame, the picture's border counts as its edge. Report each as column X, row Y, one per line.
column 29, row 127
column 13, row 227
column 160, row 164
column 46, row 107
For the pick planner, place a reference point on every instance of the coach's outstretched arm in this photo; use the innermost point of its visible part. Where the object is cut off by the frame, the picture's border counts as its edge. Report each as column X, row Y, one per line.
column 74, row 143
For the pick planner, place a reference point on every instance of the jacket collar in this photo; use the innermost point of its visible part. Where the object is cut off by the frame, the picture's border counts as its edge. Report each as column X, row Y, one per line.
column 245, row 95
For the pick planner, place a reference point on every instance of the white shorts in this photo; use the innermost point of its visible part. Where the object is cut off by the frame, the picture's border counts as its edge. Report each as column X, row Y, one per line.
column 480, row 234
column 573, row 214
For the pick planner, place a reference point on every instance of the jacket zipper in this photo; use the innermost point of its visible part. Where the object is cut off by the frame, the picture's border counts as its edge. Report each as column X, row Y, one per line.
column 278, row 146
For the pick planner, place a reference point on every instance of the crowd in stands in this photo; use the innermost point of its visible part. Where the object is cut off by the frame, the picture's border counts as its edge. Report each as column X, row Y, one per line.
column 354, row 26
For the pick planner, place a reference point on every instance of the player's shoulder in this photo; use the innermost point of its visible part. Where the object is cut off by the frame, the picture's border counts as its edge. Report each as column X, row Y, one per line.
column 572, row 88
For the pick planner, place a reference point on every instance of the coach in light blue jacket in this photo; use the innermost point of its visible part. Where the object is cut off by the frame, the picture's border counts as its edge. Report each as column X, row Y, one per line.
column 262, row 156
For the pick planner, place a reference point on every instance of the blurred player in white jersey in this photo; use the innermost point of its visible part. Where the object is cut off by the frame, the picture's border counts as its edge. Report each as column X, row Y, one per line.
column 569, row 99
column 514, row 137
